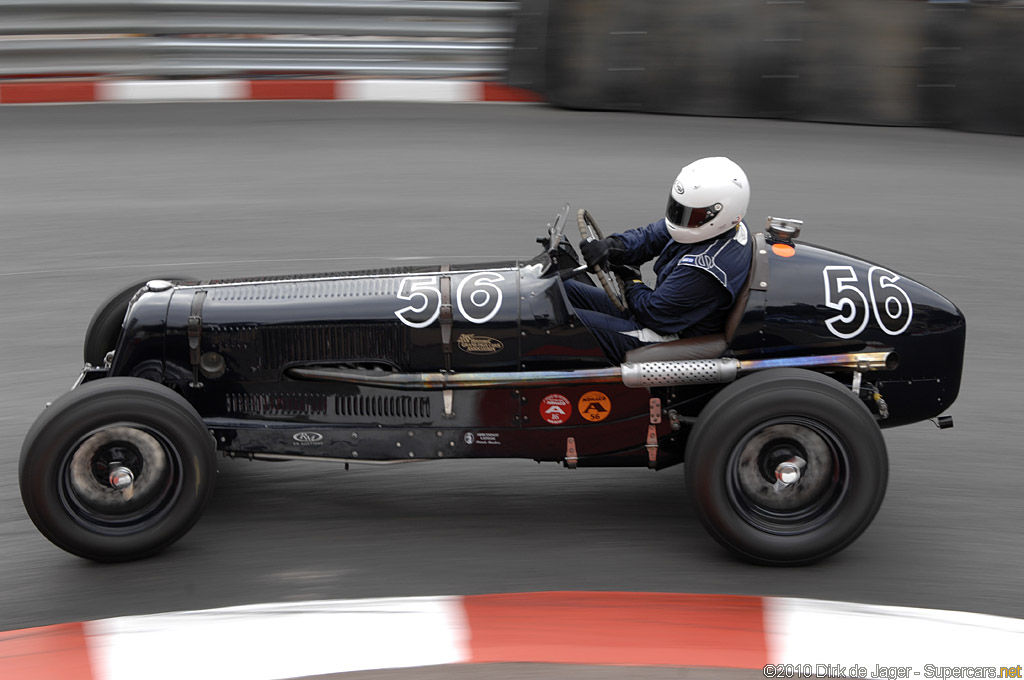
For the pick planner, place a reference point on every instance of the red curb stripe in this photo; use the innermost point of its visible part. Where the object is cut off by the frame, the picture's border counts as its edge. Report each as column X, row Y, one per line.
column 47, row 93
column 496, row 92
column 633, row 629
column 291, row 89
column 47, row 653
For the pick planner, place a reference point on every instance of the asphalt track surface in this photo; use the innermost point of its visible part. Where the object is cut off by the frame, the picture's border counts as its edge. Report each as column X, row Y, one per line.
column 95, row 197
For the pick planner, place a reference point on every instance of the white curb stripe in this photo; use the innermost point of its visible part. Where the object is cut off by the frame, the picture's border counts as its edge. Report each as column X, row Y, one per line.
column 821, row 632
column 265, row 642
column 409, row 90
column 171, row 90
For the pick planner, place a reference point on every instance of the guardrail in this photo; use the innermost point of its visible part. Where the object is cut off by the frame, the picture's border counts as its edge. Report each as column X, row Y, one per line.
column 424, row 38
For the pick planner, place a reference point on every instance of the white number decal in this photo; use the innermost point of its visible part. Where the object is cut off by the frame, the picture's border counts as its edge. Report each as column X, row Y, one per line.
column 852, row 317
column 477, row 296
column 896, row 311
column 893, row 313
column 426, row 288
column 483, row 297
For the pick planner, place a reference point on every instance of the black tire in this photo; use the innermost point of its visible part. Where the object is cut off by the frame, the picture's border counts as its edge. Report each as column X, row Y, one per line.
column 770, row 422
column 105, row 427
column 105, row 326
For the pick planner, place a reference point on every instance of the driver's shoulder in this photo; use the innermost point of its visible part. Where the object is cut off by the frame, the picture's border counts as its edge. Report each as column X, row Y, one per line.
column 654, row 234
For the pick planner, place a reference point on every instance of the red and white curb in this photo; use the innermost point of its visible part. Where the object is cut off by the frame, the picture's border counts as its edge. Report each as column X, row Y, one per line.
column 270, row 641
column 52, row 92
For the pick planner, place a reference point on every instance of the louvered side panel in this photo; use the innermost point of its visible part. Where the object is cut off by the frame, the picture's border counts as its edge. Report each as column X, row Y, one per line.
column 284, row 404
column 283, row 345
column 383, row 408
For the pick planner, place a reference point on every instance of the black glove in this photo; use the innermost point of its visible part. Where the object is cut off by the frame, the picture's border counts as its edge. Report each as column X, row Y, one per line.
column 630, row 275
column 600, row 253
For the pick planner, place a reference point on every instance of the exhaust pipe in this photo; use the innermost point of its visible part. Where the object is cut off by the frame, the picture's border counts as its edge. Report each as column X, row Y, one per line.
column 645, row 374
column 446, row 381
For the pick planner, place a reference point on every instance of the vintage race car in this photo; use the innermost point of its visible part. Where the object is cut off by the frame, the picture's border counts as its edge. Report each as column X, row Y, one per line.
column 777, row 419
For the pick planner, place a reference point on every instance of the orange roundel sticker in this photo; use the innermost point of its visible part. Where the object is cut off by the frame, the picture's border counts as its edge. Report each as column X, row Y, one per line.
column 595, row 406
column 783, row 250
column 555, row 409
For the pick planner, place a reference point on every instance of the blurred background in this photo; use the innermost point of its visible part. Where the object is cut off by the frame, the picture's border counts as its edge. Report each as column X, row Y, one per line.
column 944, row 63
column 294, row 38
column 923, row 175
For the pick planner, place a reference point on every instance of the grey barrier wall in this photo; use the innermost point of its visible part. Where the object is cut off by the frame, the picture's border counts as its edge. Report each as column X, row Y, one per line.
column 172, row 38
column 881, row 62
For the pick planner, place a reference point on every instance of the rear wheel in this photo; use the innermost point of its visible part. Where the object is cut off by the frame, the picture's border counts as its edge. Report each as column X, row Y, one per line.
column 786, row 467
column 117, row 469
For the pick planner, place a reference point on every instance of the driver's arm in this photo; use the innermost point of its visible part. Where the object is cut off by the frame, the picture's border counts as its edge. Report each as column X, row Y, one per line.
column 688, row 297
column 643, row 244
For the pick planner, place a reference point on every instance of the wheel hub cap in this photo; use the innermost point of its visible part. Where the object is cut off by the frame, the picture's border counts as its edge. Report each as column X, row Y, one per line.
column 118, row 470
column 788, row 472
column 121, row 477
column 785, row 467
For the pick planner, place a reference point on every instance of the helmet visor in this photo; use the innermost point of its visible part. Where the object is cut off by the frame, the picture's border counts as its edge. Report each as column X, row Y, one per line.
column 680, row 215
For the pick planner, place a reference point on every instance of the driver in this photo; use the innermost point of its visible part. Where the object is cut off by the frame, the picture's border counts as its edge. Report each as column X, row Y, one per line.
column 703, row 258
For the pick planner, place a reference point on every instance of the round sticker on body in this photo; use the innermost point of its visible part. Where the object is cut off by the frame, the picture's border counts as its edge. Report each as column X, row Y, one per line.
column 595, row 406
column 555, row 409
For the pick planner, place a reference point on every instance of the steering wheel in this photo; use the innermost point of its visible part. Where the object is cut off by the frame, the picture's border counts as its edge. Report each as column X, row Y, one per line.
column 610, row 281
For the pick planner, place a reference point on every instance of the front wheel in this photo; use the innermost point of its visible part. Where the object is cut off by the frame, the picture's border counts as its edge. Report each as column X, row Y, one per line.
column 786, row 467
column 117, row 469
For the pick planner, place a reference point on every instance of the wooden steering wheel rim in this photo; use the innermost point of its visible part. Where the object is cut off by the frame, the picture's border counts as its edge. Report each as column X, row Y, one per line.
column 610, row 281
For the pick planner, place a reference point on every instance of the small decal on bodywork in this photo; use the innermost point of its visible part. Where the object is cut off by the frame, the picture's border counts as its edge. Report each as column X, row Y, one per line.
column 783, row 249
column 595, row 406
column 555, row 409
column 479, row 344
column 482, row 438
column 308, row 439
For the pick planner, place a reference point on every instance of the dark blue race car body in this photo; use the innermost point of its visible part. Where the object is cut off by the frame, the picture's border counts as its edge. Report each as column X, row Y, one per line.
column 490, row 361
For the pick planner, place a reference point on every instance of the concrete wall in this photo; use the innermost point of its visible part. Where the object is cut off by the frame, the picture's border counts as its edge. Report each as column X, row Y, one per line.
column 879, row 62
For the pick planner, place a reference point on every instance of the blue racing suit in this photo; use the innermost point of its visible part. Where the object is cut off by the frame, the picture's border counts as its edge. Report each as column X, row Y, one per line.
column 696, row 286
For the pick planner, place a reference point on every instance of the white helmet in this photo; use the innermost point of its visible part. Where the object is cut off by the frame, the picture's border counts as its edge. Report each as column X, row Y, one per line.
column 708, row 198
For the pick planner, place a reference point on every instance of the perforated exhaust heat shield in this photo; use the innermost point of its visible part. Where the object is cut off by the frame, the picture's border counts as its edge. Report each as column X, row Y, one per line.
column 665, row 373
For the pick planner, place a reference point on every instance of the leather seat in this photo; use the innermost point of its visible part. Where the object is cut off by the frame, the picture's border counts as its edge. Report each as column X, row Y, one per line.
column 709, row 346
